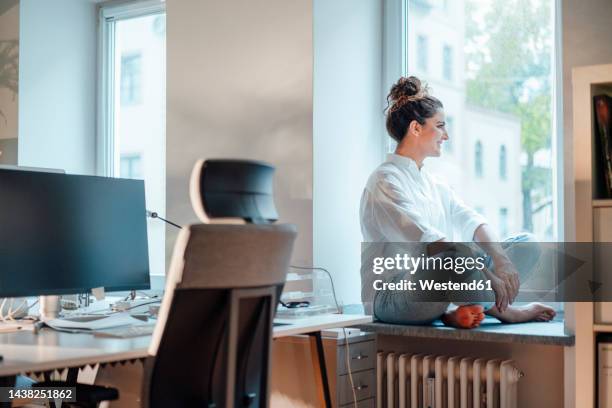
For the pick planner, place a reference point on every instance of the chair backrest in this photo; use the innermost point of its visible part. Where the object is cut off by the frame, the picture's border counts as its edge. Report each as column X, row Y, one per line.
column 212, row 343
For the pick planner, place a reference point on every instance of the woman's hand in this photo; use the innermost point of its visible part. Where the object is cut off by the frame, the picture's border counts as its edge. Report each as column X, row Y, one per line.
column 504, row 282
column 505, row 271
column 502, row 299
column 504, row 276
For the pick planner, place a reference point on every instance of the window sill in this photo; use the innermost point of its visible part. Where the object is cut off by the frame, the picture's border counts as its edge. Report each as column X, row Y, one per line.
column 491, row 330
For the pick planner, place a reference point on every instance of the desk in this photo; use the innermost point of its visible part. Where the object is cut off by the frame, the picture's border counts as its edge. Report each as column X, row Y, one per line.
column 25, row 352
column 317, row 324
column 312, row 326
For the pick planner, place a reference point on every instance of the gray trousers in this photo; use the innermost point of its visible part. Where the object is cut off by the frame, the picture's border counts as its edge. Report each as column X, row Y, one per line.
column 402, row 307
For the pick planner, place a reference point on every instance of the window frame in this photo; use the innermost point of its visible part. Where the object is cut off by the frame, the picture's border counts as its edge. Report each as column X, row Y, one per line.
column 108, row 95
column 107, row 159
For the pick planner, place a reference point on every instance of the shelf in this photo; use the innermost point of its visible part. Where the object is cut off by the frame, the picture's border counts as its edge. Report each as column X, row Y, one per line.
column 603, row 328
column 602, row 203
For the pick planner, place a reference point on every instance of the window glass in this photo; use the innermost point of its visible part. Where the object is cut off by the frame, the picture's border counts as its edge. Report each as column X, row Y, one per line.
column 495, row 78
column 140, row 118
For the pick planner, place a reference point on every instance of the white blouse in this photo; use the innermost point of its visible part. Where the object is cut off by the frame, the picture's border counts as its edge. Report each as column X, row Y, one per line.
column 402, row 203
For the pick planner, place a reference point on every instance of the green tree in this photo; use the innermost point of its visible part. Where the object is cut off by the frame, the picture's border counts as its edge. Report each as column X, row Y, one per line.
column 508, row 60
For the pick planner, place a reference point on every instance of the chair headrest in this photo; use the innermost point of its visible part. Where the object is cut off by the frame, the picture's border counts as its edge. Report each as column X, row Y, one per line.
column 233, row 190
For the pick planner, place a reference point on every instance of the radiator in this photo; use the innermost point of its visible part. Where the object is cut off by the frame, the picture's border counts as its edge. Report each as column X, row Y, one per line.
column 428, row 381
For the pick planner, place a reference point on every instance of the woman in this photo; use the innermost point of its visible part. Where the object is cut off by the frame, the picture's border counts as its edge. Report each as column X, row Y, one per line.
column 403, row 203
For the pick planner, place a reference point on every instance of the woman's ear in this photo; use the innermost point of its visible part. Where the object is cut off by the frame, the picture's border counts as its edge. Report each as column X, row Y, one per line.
column 414, row 128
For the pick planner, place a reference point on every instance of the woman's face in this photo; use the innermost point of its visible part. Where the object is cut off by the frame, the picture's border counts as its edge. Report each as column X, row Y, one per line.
column 432, row 135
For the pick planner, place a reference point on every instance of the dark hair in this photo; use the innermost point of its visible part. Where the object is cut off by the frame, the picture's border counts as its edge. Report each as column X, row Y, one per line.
column 409, row 100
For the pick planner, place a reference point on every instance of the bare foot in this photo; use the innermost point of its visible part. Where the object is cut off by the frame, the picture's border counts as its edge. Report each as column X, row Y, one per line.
column 533, row 312
column 464, row 317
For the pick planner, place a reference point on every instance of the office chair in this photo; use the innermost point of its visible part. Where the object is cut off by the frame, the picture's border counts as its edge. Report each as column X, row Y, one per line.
column 212, row 344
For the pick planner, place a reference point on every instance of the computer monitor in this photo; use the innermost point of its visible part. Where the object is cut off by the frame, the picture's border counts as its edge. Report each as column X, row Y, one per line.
column 63, row 234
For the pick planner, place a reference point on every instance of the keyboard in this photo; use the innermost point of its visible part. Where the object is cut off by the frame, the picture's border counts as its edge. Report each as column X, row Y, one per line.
column 127, row 332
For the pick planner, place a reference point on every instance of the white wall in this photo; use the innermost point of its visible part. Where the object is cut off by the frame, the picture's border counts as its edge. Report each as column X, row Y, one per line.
column 57, row 84
column 239, row 85
column 348, row 131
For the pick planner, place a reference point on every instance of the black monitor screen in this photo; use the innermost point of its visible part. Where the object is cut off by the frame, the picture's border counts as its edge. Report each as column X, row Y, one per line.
column 63, row 234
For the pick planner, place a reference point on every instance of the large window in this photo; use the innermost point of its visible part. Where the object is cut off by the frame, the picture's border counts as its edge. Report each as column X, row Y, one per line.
column 493, row 69
column 133, row 141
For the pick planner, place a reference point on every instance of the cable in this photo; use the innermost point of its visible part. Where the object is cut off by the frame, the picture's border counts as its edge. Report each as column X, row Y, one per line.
column 346, row 342
column 153, row 214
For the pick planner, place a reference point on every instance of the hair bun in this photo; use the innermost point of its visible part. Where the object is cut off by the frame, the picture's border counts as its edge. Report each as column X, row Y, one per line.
column 405, row 90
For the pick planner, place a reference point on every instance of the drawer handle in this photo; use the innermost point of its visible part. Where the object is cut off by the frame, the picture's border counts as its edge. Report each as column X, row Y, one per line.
column 360, row 387
column 360, row 357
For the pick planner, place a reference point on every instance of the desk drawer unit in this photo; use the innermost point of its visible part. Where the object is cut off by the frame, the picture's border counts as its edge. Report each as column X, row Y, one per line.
column 293, row 373
column 362, row 356
column 364, row 383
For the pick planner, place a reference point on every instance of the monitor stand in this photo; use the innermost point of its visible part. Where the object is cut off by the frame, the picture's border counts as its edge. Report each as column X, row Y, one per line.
column 50, row 307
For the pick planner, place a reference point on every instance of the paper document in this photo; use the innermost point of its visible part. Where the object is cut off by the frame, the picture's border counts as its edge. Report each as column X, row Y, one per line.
column 84, row 322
